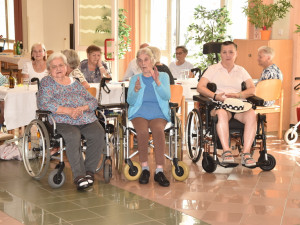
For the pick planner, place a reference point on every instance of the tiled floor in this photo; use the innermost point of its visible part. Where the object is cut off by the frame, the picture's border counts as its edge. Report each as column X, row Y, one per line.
column 227, row 196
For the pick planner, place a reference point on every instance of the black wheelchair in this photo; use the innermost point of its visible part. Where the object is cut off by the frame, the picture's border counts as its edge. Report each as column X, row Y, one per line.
column 41, row 138
column 202, row 139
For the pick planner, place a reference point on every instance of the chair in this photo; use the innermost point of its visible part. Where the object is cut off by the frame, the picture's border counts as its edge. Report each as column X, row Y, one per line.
column 271, row 90
column 49, row 52
column 8, row 66
column 92, row 91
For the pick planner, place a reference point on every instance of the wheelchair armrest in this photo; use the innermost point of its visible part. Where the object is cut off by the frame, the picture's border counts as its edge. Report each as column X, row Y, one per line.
column 257, row 101
column 112, row 106
column 43, row 112
column 173, row 105
column 203, row 100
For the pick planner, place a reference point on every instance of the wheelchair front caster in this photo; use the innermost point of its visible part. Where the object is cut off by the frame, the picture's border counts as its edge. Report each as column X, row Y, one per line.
column 267, row 165
column 107, row 172
column 132, row 174
column 208, row 163
column 290, row 136
column 183, row 172
column 56, row 180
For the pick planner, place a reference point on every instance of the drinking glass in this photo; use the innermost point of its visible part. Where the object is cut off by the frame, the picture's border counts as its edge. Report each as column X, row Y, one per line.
column 26, row 83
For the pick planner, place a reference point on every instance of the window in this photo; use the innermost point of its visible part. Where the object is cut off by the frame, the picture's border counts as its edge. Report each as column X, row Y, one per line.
column 7, row 22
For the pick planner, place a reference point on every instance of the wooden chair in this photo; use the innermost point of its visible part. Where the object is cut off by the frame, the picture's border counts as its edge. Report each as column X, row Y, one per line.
column 177, row 97
column 271, row 90
column 92, row 91
column 9, row 66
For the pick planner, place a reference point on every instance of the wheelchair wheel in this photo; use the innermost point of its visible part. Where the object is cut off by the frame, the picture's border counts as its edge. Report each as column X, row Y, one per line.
column 183, row 173
column 270, row 164
column 208, row 163
column 194, row 135
column 107, row 171
column 55, row 180
column 129, row 174
column 290, row 136
column 35, row 149
column 119, row 146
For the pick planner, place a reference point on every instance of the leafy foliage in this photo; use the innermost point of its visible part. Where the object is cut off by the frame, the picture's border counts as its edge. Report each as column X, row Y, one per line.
column 263, row 16
column 208, row 26
column 298, row 28
column 123, row 32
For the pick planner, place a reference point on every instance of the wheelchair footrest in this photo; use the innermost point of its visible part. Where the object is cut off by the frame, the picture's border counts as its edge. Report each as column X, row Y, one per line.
column 228, row 165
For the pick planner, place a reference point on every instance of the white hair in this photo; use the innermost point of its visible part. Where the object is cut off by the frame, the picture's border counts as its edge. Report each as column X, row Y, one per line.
column 268, row 51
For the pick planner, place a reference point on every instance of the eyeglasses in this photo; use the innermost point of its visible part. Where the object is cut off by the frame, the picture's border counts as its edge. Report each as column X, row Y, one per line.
column 179, row 53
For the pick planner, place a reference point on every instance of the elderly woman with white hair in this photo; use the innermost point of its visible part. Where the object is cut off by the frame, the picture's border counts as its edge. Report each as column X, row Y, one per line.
column 148, row 99
column 270, row 70
column 73, row 109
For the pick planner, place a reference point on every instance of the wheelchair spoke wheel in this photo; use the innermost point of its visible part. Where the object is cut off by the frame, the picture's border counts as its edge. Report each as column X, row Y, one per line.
column 290, row 136
column 119, row 147
column 56, row 180
column 35, row 149
column 183, row 172
column 269, row 164
column 194, row 135
column 130, row 174
column 208, row 163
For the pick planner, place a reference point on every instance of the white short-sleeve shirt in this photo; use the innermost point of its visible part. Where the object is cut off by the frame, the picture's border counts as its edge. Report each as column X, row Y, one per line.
column 28, row 69
column 227, row 82
column 175, row 70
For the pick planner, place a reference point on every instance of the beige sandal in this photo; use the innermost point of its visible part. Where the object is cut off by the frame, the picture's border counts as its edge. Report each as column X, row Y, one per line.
column 245, row 161
column 227, row 157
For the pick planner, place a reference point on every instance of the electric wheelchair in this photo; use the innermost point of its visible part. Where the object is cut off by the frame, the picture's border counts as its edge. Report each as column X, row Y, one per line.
column 41, row 137
column 202, row 139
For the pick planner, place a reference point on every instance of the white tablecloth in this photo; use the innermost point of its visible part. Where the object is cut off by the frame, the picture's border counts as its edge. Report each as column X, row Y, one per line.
column 19, row 105
column 15, row 59
column 187, row 85
column 116, row 95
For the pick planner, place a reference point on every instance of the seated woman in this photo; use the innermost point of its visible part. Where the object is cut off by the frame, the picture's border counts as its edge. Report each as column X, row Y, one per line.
column 72, row 108
column 37, row 66
column 181, row 64
column 160, row 66
column 93, row 68
column 148, row 99
column 228, row 78
column 72, row 69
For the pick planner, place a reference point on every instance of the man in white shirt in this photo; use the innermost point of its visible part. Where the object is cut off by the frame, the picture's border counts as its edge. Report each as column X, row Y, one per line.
column 181, row 64
column 133, row 67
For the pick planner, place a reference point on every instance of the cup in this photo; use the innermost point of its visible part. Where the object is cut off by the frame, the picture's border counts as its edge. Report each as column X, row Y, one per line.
column 186, row 74
column 182, row 75
column 26, row 83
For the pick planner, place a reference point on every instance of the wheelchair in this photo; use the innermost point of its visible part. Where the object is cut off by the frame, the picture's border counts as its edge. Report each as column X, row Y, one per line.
column 132, row 169
column 41, row 137
column 202, row 139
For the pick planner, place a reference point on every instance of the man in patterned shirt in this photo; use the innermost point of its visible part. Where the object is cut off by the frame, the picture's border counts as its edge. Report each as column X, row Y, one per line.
column 271, row 71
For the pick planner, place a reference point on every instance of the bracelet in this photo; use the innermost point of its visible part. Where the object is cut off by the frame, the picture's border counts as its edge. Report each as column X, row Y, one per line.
column 214, row 98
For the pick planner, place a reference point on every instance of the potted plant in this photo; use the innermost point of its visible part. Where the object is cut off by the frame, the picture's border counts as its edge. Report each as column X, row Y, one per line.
column 263, row 16
column 208, row 26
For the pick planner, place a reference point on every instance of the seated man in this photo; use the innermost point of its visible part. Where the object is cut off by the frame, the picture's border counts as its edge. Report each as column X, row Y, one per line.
column 271, row 71
column 228, row 78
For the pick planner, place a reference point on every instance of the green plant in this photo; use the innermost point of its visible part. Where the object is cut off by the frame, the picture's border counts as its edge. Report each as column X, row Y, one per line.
column 123, row 32
column 208, row 26
column 263, row 16
column 298, row 28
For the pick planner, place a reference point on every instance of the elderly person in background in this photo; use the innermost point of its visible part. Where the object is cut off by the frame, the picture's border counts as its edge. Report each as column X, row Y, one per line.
column 160, row 66
column 37, row 66
column 271, row 71
column 72, row 68
column 72, row 108
column 133, row 67
column 93, row 67
column 148, row 99
column 228, row 77
column 181, row 64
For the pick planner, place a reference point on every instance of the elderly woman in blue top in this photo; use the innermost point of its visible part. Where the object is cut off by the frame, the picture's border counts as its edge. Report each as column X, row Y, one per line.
column 73, row 110
column 148, row 99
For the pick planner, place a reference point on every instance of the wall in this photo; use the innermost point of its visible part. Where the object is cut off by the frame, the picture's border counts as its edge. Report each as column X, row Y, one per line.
column 47, row 22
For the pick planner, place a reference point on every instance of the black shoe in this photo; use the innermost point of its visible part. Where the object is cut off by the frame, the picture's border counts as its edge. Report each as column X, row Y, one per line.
column 161, row 179
column 90, row 178
column 144, row 178
column 81, row 183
